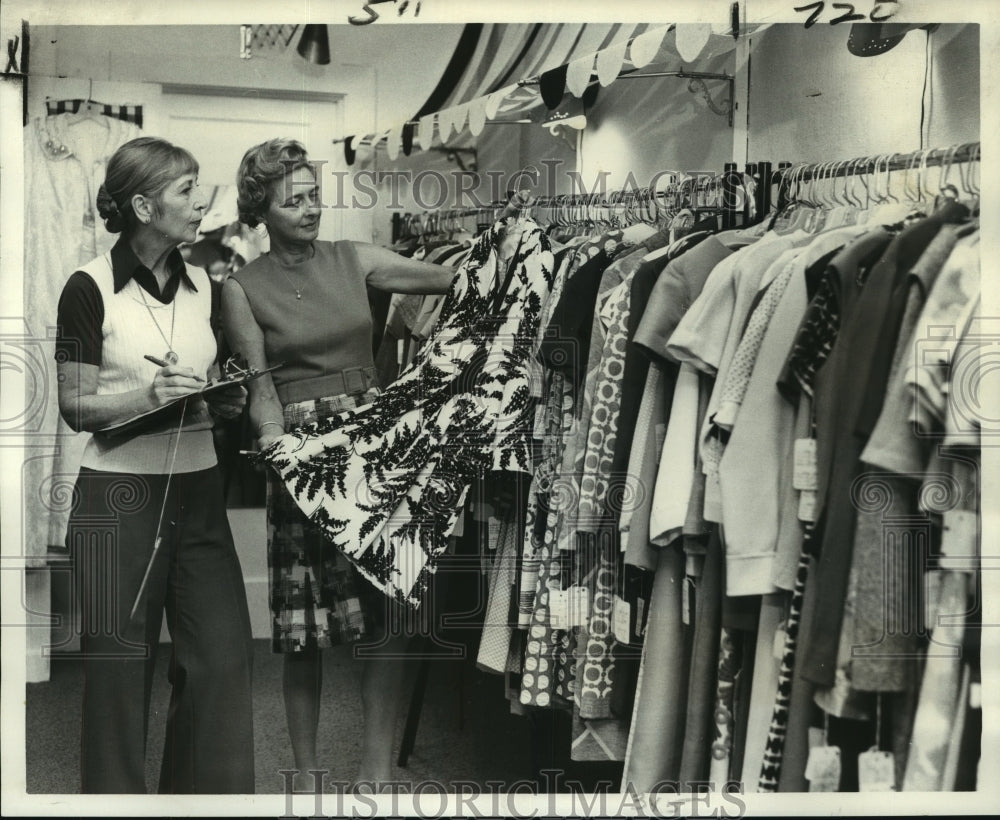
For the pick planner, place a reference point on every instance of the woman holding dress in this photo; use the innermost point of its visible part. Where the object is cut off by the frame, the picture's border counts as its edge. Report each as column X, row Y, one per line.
column 304, row 305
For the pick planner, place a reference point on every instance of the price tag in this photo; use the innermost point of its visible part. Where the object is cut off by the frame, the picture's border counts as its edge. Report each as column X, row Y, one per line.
column 558, row 610
column 807, row 506
column 823, row 769
column 780, row 636
column 578, row 605
column 804, row 471
column 686, row 601
column 539, row 430
column 958, row 539
column 876, row 771
column 622, row 621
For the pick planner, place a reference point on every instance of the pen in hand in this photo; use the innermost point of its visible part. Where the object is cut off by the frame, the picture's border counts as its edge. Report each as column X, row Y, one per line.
column 161, row 363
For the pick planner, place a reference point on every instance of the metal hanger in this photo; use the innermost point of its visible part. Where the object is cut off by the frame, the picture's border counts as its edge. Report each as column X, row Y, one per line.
column 89, row 110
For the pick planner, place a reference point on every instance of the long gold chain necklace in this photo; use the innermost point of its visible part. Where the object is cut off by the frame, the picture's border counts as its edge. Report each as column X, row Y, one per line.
column 170, row 356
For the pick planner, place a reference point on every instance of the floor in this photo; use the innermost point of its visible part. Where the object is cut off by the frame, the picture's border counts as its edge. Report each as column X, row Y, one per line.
column 465, row 731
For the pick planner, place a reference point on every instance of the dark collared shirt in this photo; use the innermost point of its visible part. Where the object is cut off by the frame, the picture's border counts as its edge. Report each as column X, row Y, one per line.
column 81, row 307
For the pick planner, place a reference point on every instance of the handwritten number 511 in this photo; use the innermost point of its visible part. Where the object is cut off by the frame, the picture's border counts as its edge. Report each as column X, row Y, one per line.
column 883, row 10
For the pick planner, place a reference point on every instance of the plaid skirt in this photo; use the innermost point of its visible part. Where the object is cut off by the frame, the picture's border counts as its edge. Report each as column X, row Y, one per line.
column 318, row 598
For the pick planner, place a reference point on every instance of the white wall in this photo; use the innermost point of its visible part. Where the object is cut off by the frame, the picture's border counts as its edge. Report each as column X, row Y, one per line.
column 381, row 85
column 367, row 63
column 644, row 126
column 811, row 100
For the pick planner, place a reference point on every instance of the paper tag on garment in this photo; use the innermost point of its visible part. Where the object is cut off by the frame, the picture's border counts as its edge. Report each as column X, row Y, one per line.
column 876, row 771
column 807, row 506
column 578, row 605
column 804, row 471
column 958, row 540
column 640, row 624
column 780, row 636
column 623, row 621
column 539, row 429
column 823, row 769
column 558, row 610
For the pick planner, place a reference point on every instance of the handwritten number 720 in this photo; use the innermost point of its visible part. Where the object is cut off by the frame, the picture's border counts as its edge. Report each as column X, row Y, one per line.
column 849, row 15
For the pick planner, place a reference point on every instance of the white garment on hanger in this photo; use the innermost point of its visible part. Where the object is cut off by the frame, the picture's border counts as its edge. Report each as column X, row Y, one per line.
column 64, row 165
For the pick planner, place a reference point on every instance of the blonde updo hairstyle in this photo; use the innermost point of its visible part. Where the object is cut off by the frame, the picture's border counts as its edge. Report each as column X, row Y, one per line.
column 143, row 166
column 262, row 165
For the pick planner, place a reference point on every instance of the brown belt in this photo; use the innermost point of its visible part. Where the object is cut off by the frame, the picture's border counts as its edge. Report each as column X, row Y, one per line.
column 351, row 382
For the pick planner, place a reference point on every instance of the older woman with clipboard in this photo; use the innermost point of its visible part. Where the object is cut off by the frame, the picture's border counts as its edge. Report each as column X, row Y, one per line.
column 134, row 350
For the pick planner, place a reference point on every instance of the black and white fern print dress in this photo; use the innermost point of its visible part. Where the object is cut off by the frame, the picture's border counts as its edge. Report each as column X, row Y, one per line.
column 385, row 482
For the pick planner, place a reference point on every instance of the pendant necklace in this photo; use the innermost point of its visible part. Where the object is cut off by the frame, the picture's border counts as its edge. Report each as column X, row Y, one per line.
column 170, row 357
column 298, row 292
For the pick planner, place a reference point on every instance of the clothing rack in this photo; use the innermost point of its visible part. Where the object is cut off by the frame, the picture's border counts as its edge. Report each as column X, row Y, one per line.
column 788, row 175
column 701, row 194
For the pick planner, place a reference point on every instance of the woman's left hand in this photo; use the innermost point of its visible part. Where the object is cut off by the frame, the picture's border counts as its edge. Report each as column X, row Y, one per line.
column 228, row 403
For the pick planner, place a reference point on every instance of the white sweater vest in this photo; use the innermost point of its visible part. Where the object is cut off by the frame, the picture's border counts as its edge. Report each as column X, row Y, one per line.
column 129, row 333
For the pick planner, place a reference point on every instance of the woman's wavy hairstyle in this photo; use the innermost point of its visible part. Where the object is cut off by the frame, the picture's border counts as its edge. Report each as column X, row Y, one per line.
column 146, row 166
column 262, row 165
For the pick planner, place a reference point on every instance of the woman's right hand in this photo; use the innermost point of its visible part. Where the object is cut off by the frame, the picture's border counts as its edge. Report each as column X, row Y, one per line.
column 264, row 441
column 173, row 382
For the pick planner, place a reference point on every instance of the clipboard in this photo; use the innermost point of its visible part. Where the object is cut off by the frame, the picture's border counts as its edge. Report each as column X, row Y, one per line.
column 171, row 411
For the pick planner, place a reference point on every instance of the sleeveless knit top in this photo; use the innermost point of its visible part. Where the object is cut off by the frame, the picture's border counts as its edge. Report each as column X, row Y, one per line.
column 128, row 334
column 323, row 340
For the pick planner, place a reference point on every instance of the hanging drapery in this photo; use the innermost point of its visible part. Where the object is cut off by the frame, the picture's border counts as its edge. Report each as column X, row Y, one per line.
column 491, row 69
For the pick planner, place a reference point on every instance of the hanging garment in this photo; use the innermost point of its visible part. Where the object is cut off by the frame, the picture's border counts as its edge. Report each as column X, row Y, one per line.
column 385, row 482
column 849, row 390
column 887, row 558
column 128, row 113
column 755, row 487
column 595, row 481
column 635, row 366
column 545, row 495
column 655, row 743
column 597, row 734
column 63, row 167
column 647, row 444
column 702, row 685
column 946, row 675
column 495, row 643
